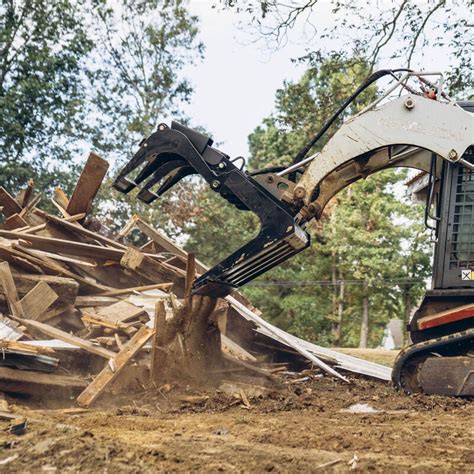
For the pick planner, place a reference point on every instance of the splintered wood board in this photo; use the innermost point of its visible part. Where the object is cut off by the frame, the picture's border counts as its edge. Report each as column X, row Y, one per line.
column 113, row 368
column 88, row 185
column 10, row 291
column 38, row 300
column 37, row 378
column 8, row 203
column 15, row 221
column 122, row 312
column 56, row 333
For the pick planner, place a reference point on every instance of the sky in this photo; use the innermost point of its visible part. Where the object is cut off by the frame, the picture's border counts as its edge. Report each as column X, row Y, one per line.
column 235, row 85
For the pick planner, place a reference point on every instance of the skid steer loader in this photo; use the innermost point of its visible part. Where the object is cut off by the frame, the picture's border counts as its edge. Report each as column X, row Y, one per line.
column 420, row 128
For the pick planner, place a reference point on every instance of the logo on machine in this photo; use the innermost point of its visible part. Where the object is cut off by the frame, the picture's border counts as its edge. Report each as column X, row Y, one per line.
column 467, row 275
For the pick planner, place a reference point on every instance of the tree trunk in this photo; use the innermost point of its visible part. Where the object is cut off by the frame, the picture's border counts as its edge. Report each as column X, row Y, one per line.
column 334, row 319
column 364, row 327
column 340, row 311
column 189, row 346
column 408, row 303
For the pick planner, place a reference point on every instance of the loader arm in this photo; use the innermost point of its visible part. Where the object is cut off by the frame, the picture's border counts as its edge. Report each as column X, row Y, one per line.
column 405, row 132
column 409, row 131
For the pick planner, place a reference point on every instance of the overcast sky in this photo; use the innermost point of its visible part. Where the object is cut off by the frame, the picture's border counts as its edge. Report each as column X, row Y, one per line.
column 235, row 85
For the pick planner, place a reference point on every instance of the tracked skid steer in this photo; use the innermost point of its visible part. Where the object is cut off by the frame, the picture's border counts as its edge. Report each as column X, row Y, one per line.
column 412, row 124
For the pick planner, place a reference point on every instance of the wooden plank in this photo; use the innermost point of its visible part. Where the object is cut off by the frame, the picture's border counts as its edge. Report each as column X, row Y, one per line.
column 79, row 229
column 15, row 221
column 190, row 277
column 113, row 369
column 96, row 320
column 65, row 288
column 8, row 203
column 38, row 300
column 53, row 267
column 56, row 333
column 160, row 317
column 69, row 247
column 166, row 243
column 37, row 378
column 88, row 185
column 61, row 198
column 10, row 291
column 27, row 193
column 122, row 312
column 92, row 301
column 126, row 291
column 66, row 247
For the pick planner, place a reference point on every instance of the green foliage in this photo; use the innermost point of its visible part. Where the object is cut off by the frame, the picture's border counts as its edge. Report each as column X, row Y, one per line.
column 42, row 98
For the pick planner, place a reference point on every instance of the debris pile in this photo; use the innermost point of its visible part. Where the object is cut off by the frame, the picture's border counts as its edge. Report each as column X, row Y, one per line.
column 86, row 311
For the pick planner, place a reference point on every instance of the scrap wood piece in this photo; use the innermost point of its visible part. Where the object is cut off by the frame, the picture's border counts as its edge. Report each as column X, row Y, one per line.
column 15, row 221
column 113, row 368
column 69, row 225
column 31, row 205
column 165, row 243
column 150, row 268
column 8, row 203
column 122, row 312
column 51, row 266
column 67, row 247
column 19, row 260
column 74, row 340
column 190, row 277
column 126, row 291
column 65, row 288
column 61, row 198
column 160, row 317
column 96, row 320
column 27, row 193
column 10, row 291
column 38, row 300
column 37, row 378
column 93, row 301
column 88, row 185
column 282, row 335
column 21, row 346
column 266, row 373
column 231, row 347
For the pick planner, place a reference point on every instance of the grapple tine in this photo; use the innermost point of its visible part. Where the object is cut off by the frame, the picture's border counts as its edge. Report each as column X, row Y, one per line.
column 174, row 178
column 146, row 195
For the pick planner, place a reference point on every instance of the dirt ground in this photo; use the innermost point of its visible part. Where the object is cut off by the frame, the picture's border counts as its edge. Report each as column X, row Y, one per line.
column 302, row 426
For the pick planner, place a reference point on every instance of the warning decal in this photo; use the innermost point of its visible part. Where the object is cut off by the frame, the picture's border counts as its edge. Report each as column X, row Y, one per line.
column 467, row 274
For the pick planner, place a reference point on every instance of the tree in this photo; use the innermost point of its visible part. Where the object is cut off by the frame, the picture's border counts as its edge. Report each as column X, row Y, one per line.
column 42, row 95
column 143, row 47
column 397, row 29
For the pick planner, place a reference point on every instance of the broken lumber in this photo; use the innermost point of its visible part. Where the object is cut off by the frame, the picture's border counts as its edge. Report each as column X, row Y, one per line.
column 88, row 185
column 65, row 288
column 10, row 291
column 56, row 333
column 36, row 378
column 113, row 368
column 38, row 300
column 8, row 203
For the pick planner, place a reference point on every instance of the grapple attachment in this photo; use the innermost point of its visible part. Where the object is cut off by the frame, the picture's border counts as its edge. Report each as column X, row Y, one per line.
column 169, row 155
